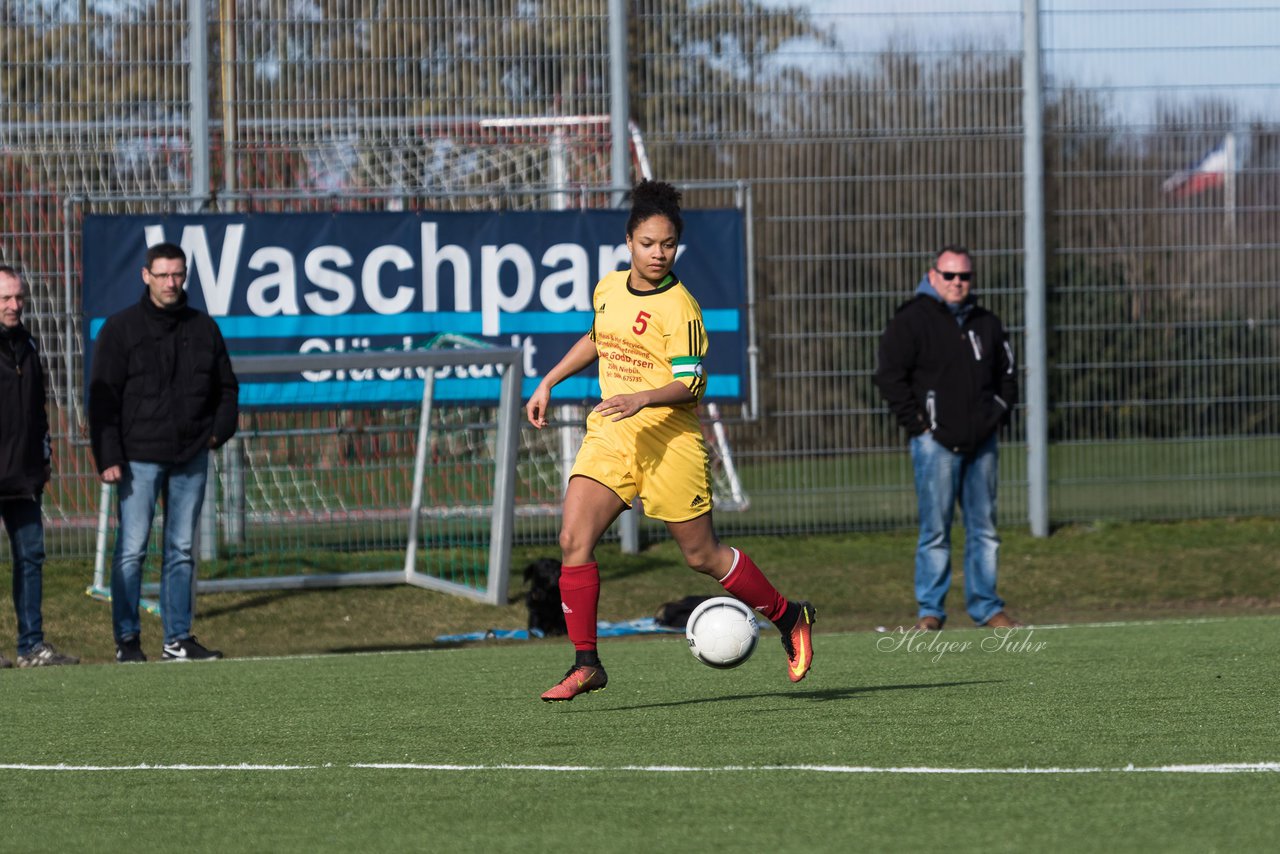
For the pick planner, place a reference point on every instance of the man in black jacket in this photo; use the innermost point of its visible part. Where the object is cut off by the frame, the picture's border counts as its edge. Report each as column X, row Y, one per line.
column 25, row 453
column 947, row 372
column 162, row 395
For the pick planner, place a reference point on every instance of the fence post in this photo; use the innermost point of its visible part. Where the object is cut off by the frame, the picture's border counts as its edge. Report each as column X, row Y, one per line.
column 620, row 173
column 234, row 492
column 619, row 101
column 198, row 92
column 1033, row 245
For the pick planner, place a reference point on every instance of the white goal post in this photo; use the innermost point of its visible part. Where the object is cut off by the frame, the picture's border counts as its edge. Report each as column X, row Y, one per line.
column 243, row 466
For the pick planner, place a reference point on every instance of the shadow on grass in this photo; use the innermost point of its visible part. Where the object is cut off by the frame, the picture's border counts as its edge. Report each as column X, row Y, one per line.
column 261, row 601
column 820, row 695
column 617, row 568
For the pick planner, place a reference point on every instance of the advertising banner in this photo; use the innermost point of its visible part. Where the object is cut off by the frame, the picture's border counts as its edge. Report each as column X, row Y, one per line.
column 341, row 282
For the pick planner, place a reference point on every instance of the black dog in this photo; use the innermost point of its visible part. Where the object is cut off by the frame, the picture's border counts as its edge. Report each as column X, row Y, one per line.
column 543, row 598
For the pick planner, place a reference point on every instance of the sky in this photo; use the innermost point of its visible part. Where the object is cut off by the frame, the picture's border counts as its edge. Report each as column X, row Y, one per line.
column 1142, row 50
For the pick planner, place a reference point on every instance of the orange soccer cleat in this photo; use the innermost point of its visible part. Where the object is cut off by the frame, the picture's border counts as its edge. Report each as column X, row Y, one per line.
column 581, row 679
column 798, row 642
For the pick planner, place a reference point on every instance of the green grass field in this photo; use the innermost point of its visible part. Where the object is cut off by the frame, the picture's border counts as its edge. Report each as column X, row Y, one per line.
column 1065, row 739
column 889, row 744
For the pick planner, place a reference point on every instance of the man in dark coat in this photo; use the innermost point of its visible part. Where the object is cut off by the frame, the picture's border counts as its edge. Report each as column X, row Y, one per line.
column 162, row 395
column 946, row 370
column 25, row 455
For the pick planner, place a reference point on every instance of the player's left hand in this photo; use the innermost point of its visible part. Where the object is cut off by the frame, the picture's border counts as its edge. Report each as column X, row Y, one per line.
column 622, row 406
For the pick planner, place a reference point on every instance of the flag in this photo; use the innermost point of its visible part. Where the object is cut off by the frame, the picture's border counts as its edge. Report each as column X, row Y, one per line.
column 1211, row 171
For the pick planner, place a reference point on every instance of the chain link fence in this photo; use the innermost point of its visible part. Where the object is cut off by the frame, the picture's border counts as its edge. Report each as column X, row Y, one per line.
column 869, row 136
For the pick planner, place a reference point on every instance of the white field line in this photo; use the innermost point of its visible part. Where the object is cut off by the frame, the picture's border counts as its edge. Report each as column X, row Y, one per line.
column 243, row 766
column 1217, row 768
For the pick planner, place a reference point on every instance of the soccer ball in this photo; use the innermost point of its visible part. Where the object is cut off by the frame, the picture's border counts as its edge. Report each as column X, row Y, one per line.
column 722, row 632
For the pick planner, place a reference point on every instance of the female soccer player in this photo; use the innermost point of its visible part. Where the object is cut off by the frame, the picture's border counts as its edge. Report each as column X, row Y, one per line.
column 643, row 440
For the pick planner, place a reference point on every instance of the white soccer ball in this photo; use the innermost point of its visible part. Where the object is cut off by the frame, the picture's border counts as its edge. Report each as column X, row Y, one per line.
column 722, row 632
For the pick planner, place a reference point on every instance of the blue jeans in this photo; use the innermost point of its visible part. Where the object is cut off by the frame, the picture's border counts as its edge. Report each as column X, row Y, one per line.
column 943, row 477
column 26, row 542
column 181, row 485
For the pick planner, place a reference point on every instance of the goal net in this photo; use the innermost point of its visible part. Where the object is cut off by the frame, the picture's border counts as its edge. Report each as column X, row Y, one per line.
column 307, row 495
column 320, row 496
column 513, row 162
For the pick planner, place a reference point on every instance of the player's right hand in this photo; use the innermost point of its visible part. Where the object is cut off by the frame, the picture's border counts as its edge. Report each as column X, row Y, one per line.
column 536, row 409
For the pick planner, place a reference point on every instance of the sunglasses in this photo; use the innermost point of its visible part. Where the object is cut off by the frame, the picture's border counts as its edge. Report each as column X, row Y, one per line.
column 947, row 276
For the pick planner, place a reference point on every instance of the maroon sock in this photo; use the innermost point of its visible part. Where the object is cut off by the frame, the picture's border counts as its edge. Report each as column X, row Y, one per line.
column 579, row 595
column 746, row 582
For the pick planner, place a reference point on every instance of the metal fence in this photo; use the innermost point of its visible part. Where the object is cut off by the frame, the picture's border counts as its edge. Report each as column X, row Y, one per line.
column 870, row 134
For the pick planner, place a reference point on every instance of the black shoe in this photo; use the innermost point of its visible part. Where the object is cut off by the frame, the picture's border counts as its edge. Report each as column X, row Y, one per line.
column 188, row 649
column 129, row 651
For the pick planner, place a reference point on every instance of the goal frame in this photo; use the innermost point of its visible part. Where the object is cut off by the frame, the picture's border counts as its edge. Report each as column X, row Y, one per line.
column 502, row 511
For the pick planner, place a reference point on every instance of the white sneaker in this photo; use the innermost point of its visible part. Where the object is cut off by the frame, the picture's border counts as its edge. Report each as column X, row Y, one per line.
column 188, row 649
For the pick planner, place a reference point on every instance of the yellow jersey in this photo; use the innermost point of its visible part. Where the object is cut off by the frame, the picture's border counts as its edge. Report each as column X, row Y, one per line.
column 646, row 339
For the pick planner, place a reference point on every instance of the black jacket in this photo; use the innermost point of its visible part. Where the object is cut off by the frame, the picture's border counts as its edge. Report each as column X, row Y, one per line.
column 161, row 386
column 24, row 423
column 957, row 380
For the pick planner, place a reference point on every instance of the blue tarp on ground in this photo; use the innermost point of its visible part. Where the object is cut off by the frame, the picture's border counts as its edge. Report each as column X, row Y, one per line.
column 604, row 629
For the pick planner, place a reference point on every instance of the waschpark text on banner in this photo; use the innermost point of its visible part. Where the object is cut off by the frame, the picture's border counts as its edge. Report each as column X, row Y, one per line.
column 341, row 282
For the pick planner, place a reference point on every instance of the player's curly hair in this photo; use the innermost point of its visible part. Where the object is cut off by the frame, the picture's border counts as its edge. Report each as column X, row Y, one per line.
column 654, row 198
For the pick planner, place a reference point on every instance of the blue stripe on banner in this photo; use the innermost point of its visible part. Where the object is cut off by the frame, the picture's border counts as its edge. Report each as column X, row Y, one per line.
column 453, row 389
column 459, row 322
column 721, row 319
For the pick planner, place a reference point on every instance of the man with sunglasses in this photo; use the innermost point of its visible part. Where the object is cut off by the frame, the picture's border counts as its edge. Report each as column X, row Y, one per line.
column 947, row 371
column 162, row 395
